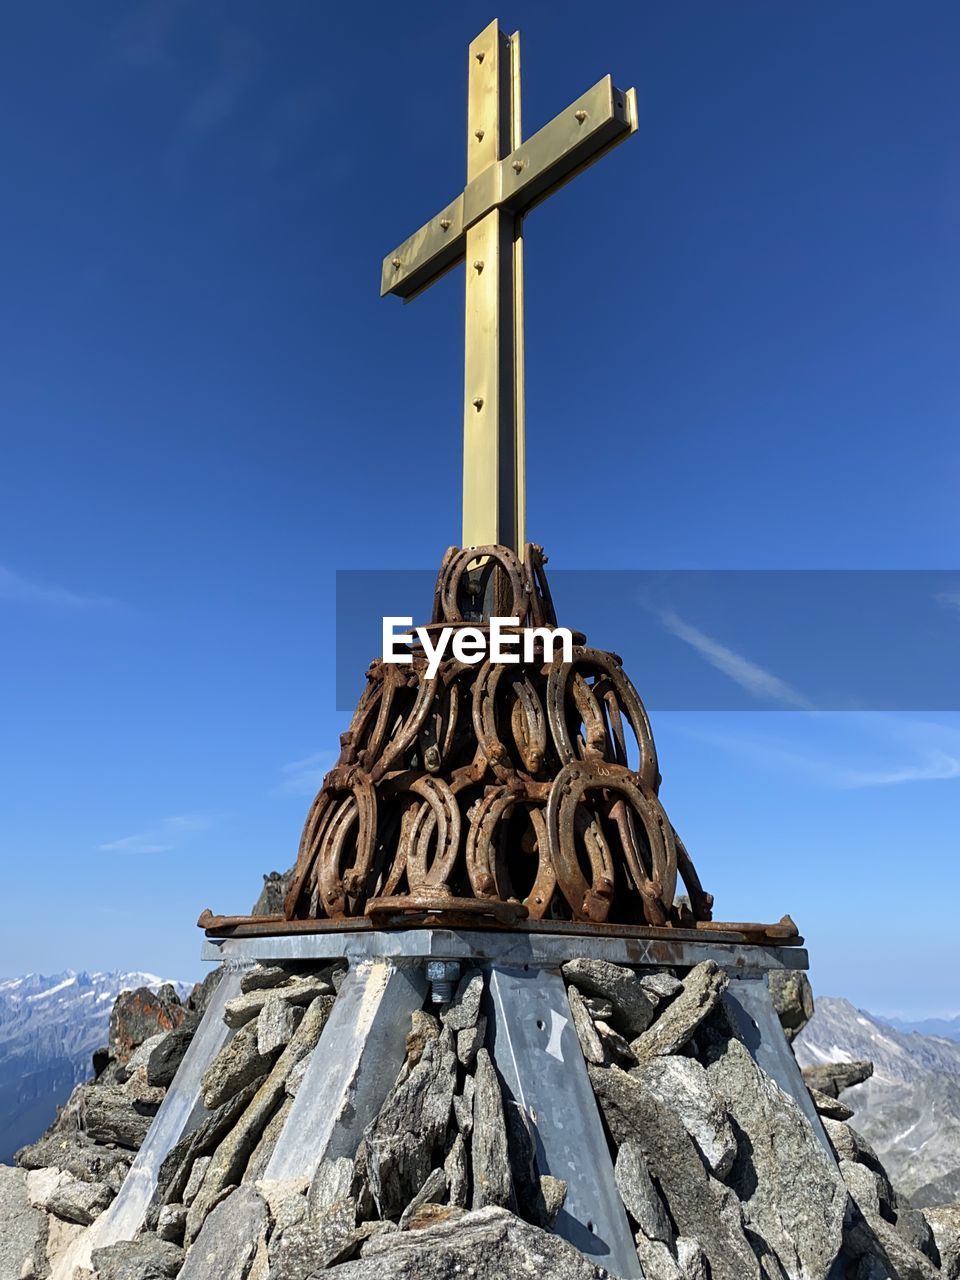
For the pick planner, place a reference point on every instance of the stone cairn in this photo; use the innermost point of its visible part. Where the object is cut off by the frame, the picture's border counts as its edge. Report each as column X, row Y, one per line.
column 720, row 1173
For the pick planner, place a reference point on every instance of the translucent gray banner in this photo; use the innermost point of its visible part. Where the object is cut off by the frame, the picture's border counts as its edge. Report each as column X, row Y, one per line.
column 721, row 640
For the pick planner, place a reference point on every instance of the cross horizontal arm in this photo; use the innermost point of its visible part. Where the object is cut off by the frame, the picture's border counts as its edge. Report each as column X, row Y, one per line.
column 597, row 121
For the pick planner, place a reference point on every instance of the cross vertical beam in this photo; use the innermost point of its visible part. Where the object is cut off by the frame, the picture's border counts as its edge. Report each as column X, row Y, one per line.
column 483, row 226
column 493, row 479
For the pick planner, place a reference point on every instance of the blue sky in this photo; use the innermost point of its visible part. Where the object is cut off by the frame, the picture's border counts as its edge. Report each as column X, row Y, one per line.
column 742, row 333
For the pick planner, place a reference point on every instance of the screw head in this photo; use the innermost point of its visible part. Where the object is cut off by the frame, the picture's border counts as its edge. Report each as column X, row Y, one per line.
column 480, row 56
column 478, row 266
column 580, row 116
column 478, row 403
column 442, row 970
column 444, row 224
column 517, row 166
column 479, row 135
column 396, row 264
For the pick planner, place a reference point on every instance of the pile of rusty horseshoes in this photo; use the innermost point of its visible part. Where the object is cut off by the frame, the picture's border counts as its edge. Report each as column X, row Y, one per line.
column 494, row 790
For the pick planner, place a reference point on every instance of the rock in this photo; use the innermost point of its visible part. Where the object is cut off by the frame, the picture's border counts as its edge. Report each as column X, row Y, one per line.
column 702, row 989
column 424, row 1027
column 237, row 1064
column 656, row 1259
column 872, row 1239
column 792, row 1194
column 163, row 1062
column 68, row 1197
column 590, row 1042
column 833, row 1077
column 832, row 1108
column 852, row 1147
column 108, row 1115
column 199, row 997
column 463, row 1107
column 492, row 1177
column 318, row 1242
column 332, row 1181
column 469, row 1041
column 615, row 1048
column 640, row 1197
column 691, row 1259
column 913, row 1227
column 403, row 1140
column 24, row 1232
column 244, row 1008
column 464, row 1009
column 77, row 1154
column 171, row 1222
column 138, row 1089
column 433, row 1191
column 286, row 1200
column 137, row 1015
column 429, row 1214
column 145, row 1258
column 662, row 986
column 553, row 1192
column 944, row 1222
column 264, row 977
column 295, row 1078
column 792, row 998
column 229, row 1238
column 177, row 1175
column 487, row 1244
column 195, row 1179
column 230, row 1158
column 633, row 1006
column 455, row 1167
column 696, row 1202
column 140, row 1056
column 276, row 1023
column 682, row 1084
column 598, row 1008
column 528, row 1186
column 260, row 1156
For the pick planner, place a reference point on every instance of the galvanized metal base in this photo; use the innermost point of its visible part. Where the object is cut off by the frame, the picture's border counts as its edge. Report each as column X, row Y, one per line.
column 530, row 1035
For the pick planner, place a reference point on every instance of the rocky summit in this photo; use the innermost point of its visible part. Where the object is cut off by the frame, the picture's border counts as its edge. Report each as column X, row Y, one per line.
column 721, row 1175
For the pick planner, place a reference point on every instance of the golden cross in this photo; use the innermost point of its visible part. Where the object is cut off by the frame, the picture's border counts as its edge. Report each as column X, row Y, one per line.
column 506, row 177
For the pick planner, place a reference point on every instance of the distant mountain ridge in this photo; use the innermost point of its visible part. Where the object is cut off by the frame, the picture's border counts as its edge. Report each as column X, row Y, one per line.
column 909, row 1111
column 945, row 1028
column 49, row 1027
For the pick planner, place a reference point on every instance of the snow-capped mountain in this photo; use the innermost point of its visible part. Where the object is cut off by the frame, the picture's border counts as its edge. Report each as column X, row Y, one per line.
column 909, row 1111
column 49, row 1028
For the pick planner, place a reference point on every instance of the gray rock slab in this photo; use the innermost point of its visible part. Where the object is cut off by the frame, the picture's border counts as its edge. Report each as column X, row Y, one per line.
column 286, row 1200
column 433, row 1191
column 828, row 1107
column 276, row 1023
column 633, row 1006
column 332, row 1181
column 404, row 1137
column 792, row 998
column 640, row 1197
column 702, row 989
column 455, row 1167
column 163, row 1063
column 464, row 1009
column 469, row 1040
column 492, row 1176
column 171, row 1222
column 23, row 1234
column 791, row 1191
column 74, row 1200
column 487, row 1244
column 244, row 1008
column 229, row 1238
column 237, row 1064
column 75, row 1153
column 231, row 1156
column 590, row 1041
column 316, row 1243
column 944, row 1222
column 696, row 1201
column 146, row 1258
column 691, row 1259
column 832, row 1078
column 263, row 977
column 657, row 1260
column 615, row 1047
column 109, row 1116
column 266, row 1145
column 683, row 1085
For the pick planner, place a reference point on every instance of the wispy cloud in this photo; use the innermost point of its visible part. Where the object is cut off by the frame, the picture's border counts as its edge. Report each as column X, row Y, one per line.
column 17, row 589
column 304, row 777
column 949, row 599
column 830, row 749
column 741, row 670
column 165, row 835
